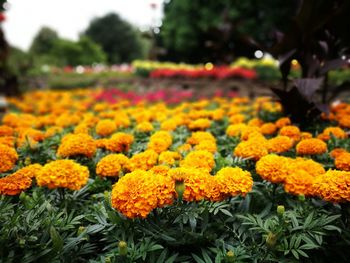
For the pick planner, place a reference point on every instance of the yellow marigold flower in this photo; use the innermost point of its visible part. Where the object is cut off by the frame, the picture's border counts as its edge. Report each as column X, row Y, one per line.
column 145, row 126
column 144, row 160
column 299, row 182
column 199, row 124
column 292, row 132
column 254, row 149
column 30, row 170
column 66, row 120
column 169, row 157
column 333, row 186
column 184, row 148
column 337, row 151
column 168, row 125
column 160, row 170
column 136, row 194
column 105, row 127
column 8, row 158
column 199, row 159
column 119, row 142
column 197, row 137
column 52, row 131
column 63, row 174
column 234, row 181
column 236, row 118
column 160, row 141
column 217, row 114
column 77, row 144
column 122, row 120
column 207, row 145
column 6, row 130
column 285, row 121
column 111, row 165
column 255, row 122
column 245, row 134
column 235, row 129
column 273, row 168
column 81, row 128
column 180, row 173
column 311, row 146
column 342, row 161
column 279, row 144
column 308, row 165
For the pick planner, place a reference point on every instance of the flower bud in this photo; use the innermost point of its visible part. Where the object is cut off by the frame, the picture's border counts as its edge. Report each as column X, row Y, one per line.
column 301, row 198
column 81, row 229
column 271, row 240
column 179, row 188
column 27, row 161
column 106, row 195
column 22, row 242
column 230, row 256
column 280, row 210
column 123, row 248
column 108, row 260
column 22, row 197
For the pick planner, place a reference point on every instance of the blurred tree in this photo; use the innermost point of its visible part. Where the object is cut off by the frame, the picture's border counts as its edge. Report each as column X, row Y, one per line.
column 119, row 40
column 200, row 31
column 44, row 41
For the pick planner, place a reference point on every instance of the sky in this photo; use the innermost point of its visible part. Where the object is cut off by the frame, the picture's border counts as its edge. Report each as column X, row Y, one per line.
column 24, row 18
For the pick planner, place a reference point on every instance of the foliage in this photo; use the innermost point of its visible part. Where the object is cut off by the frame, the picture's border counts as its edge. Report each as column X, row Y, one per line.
column 118, row 39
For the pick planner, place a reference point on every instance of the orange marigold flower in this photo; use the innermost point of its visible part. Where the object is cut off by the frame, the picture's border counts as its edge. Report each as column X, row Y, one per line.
column 8, row 158
column 236, row 118
column 333, row 186
column 273, row 168
column 199, row 159
column 268, row 128
column 144, row 160
column 199, row 124
column 299, row 182
column 105, row 127
column 344, row 121
column 14, row 184
column 160, row 170
column 77, row 144
column 6, row 130
column 111, row 165
column 63, row 174
column 136, row 194
column 184, row 148
column 337, row 132
column 337, row 151
column 281, row 122
column 169, row 157
column 255, row 122
column 279, row 144
column 122, row 120
column 254, row 149
column 245, row 134
column 308, row 165
column 8, row 141
column 234, row 181
column 311, row 146
column 145, row 126
column 160, row 141
column 196, row 185
column 342, row 161
column 291, row 131
column 82, row 128
column 305, row 135
column 52, row 131
column 235, row 129
column 119, row 142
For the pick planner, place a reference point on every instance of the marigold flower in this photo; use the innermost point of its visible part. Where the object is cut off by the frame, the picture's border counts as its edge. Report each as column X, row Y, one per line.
column 337, row 151
column 105, row 127
column 235, row 129
column 268, row 128
column 168, row 125
column 199, row 159
column 245, row 134
column 254, row 149
column 273, row 168
column 63, row 174
column 122, row 120
column 291, row 131
column 8, row 158
column 234, row 181
column 197, row 137
column 237, row 118
column 111, row 165
column 169, row 157
column 160, row 170
column 342, row 161
column 206, row 145
column 144, row 160
column 196, row 185
column 8, row 141
column 311, row 146
column 279, row 144
column 281, row 122
column 160, row 141
column 119, row 142
column 14, row 184
column 199, row 124
column 6, row 130
column 333, row 186
column 255, row 122
column 337, row 132
column 299, row 182
column 77, row 144
column 308, row 165
column 145, row 126
column 184, row 148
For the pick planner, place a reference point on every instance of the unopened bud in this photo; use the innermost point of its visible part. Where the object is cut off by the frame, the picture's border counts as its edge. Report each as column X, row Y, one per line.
column 108, row 260
column 27, row 161
column 123, row 248
column 230, row 256
column 22, row 242
column 271, row 239
column 81, row 229
column 301, row 198
column 280, row 210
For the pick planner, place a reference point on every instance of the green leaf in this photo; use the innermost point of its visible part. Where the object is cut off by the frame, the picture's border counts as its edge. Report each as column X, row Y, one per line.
column 331, row 228
column 56, row 239
column 156, row 247
column 172, row 258
column 197, row 259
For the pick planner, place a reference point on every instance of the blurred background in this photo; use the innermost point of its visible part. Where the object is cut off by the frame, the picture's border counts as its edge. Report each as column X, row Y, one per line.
column 236, row 47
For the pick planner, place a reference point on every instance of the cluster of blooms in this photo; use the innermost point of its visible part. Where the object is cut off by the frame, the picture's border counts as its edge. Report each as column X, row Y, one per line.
column 141, row 147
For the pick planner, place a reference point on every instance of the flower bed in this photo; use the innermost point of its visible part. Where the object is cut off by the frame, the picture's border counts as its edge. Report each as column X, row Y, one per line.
column 214, row 180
